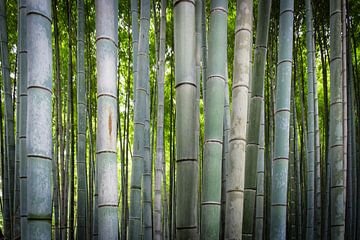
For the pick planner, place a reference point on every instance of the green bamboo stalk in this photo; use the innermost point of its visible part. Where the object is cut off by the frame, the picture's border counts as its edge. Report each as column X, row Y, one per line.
column 22, row 62
column 81, row 125
column 282, row 118
column 107, row 180
column 186, row 183
column 336, row 144
column 9, row 124
column 310, row 180
column 135, row 226
column 39, row 119
column 214, row 117
column 253, row 134
column 239, row 116
column 160, row 158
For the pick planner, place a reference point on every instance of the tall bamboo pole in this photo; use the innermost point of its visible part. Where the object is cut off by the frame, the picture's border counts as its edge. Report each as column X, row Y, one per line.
column 22, row 58
column 81, row 125
column 186, row 183
column 9, row 123
column 254, row 125
column 336, row 141
column 214, row 116
column 39, row 119
column 239, row 116
column 160, row 157
column 106, row 62
column 282, row 119
column 135, row 213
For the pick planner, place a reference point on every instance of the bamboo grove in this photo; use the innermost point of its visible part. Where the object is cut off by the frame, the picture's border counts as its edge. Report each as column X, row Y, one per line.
column 183, row 119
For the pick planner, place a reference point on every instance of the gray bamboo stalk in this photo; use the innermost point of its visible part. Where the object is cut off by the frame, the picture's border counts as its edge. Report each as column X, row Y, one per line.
column 347, row 168
column 291, row 190
column 186, row 184
column 351, row 146
column 318, row 175
column 147, row 173
column 225, row 154
column 317, row 161
column 310, row 180
column 159, row 164
column 239, row 116
column 39, row 119
column 135, row 40
column 298, row 176
column 9, row 124
column 135, row 225
column 204, row 48
column 81, row 125
column 198, row 36
column 214, row 117
column 22, row 68
column 16, row 210
column 260, row 182
column 107, row 180
column 255, row 112
column 336, row 144
column 282, row 120
column 22, row 61
column 165, row 205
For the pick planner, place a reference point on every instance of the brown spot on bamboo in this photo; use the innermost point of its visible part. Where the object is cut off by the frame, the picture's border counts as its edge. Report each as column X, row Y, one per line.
column 110, row 124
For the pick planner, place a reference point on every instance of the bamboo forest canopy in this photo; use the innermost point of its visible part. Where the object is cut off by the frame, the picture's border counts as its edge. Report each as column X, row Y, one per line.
column 183, row 119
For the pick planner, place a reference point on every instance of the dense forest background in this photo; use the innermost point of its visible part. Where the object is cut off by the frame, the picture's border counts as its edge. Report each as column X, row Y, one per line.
column 156, row 196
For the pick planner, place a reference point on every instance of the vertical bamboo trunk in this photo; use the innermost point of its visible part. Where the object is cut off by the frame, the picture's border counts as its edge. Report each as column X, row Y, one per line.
column 239, row 116
column 198, row 81
column 159, row 164
column 22, row 61
column 291, row 178
column 282, row 118
column 317, row 160
column 107, row 181
column 336, row 144
column 347, row 167
column 39, row 119
column 260, row 182
column 298, row 182
column 352, row 145
column 186, row 183
column 225, row 154
column 16, row 210
column 214, row 116
column 59, row 129
column 310, row 181
column 147, row 165
column 9, row 124
column 204, row 48
column 81, row 125
column 141, row 96
column 253, row 134
column 70, row 133
column 135, row 40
